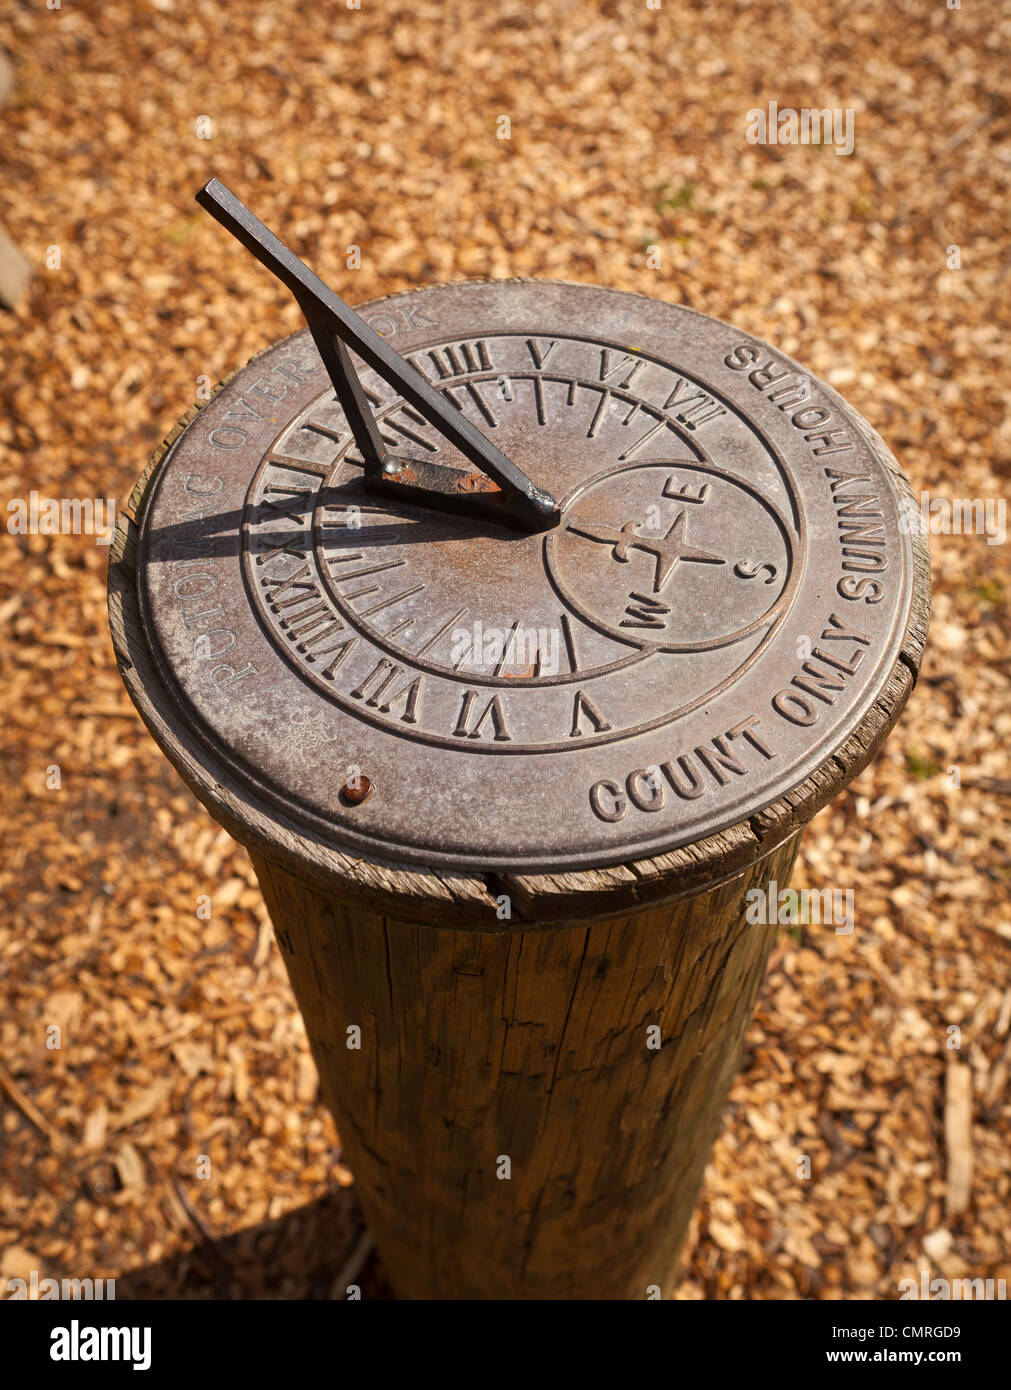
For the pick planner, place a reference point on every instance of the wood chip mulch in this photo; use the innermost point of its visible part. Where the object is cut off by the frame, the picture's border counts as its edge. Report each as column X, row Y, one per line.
column 377, row 127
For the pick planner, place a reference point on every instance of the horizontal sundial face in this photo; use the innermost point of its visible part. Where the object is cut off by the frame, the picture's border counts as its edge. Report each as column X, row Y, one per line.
column 661, row 581
column 721, row 595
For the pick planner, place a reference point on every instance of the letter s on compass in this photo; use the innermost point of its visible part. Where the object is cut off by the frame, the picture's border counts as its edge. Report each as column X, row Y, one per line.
column 744, row 569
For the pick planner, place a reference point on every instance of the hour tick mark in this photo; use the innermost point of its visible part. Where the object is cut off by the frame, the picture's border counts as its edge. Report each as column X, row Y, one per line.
column 450, row 622
column 481, row 404
column 634, row 448
column 605, row 397
column 327, row 431
column 412, row 435
column 389, row 602
column 570, row 643
column 371, row 569
column 542, row 418
column 507, row 647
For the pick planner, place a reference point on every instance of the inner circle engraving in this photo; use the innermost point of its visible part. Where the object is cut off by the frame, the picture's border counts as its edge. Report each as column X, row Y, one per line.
column 710, row 559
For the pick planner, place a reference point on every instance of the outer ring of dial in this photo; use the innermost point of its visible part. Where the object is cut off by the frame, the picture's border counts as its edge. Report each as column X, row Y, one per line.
column 645, row 320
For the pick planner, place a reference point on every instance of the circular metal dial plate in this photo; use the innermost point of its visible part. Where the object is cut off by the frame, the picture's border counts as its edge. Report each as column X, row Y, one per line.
column 723, row 600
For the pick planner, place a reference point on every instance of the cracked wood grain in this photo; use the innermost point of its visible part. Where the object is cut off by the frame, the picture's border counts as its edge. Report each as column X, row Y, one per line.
column 533, row 1045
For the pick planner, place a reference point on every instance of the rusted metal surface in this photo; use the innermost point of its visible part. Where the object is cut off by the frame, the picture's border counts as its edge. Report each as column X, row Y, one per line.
column 357, row 790
column 719, row 605
column 434, row 486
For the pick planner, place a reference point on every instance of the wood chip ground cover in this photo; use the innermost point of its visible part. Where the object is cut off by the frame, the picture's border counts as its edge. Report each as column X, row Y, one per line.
column 378, row 128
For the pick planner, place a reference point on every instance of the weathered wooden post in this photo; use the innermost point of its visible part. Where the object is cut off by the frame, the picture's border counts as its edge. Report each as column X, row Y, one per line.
column 512, row 763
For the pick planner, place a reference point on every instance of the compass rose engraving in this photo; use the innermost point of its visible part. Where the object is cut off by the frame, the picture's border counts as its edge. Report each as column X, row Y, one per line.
column 695, row 595
column 668, row 551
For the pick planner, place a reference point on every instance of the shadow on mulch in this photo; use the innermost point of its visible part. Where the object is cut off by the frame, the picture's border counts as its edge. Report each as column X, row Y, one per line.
column 298, row 1256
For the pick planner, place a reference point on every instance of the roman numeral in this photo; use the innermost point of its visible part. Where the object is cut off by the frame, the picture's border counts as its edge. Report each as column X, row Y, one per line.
column 297, row 580
column 696, row 406
column 493, row 710
column 327, row 431
column 341, row 650
column 410, row 694
column 300, row 623
column 266, row 555
column 318, row 470
column 699, row 414
column 455, row 360
column 540, row 355
column 582, row 707
column 292, row 508
column 623, row 371
column 387, row 673
column 306, row 648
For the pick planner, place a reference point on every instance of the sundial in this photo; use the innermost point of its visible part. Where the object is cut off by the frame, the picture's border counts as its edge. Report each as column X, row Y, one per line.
column 518, row 575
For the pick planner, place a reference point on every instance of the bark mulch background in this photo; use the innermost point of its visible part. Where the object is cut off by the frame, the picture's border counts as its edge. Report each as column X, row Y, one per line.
column 377, row 128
